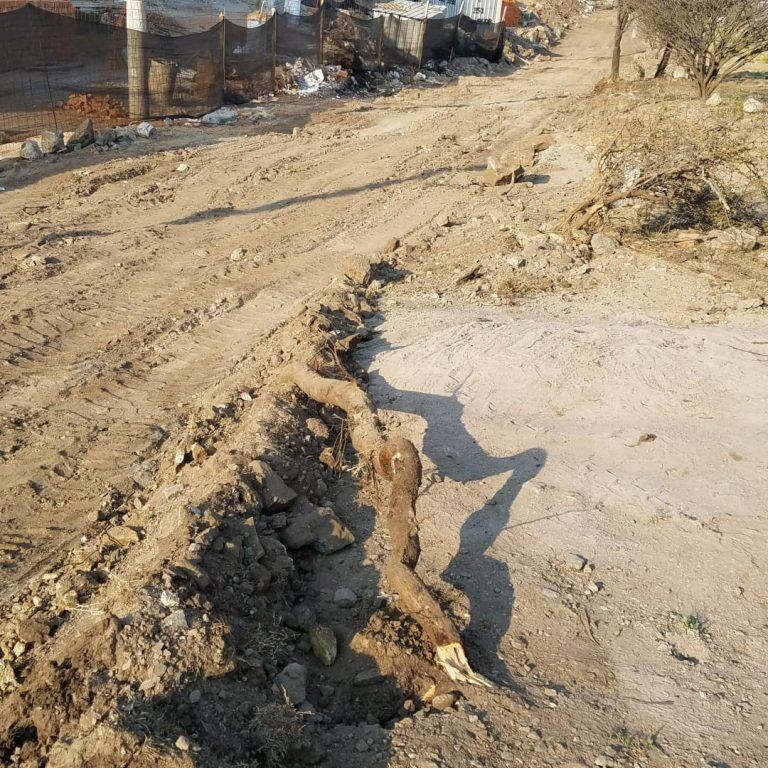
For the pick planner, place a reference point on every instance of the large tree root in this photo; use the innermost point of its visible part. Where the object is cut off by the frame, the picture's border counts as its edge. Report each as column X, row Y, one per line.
column 396, row 460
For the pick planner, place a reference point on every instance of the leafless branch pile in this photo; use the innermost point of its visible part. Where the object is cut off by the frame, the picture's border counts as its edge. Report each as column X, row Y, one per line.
column 684, row 172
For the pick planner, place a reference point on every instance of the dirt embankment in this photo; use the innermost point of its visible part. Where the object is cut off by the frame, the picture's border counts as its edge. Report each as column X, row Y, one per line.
column 196, row 625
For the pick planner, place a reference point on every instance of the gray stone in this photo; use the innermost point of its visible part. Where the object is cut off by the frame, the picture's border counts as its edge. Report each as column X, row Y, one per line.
column 367, row 677
column 125, row 133
column 195, row 696
column 604, row 761
column 52, row 142
column 82, row 135
column 317, row 527
column 575, row 562
column 30, row 150
column 516, row 262
column 176, row 620
column 344, row 597
column 302, row 617
column 733, row 240
column 752, row 106
column 324, row 644
column 361, row 746
column 106, row 137
column 715, row 100
column 602, row 245
column 275, row 493
column 292, row 681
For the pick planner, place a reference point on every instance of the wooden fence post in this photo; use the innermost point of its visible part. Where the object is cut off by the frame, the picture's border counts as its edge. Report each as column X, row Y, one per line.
column 381, row 42
column 423, row 32
column 274, row 49
column 322, row 32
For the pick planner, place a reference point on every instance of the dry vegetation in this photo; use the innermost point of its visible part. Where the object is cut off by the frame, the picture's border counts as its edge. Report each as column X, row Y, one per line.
column 666, row 165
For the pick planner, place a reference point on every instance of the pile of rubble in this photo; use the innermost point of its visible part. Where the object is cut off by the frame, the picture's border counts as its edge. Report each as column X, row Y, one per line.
column 57, row 142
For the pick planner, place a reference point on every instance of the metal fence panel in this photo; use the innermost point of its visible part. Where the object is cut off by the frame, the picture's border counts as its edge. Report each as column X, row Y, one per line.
column 402, row 41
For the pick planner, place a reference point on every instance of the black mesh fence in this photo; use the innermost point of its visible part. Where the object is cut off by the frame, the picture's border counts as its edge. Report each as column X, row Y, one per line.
column 352, row 40
column 299, row 36
column 439, row 39
column 249, row 56
column 185, row 74
column 479, row 38
column 58, row 68
column 53, row 68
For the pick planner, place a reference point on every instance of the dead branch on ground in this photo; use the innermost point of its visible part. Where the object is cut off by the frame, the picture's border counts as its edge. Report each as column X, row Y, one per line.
column 396, row 460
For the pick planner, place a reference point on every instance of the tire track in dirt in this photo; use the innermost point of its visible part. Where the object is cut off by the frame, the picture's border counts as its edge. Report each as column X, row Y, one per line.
column 104, row 420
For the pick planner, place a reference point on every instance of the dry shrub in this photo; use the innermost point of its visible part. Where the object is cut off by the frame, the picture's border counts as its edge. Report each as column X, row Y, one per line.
column 712, row 39
column 673, row 171
column 278, row 729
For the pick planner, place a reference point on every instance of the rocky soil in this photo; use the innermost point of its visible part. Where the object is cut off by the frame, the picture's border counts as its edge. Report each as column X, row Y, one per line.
column 191, row 561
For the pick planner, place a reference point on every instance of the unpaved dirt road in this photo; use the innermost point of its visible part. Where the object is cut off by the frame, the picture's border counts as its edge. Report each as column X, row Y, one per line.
column 613, row 408
column 124, row 300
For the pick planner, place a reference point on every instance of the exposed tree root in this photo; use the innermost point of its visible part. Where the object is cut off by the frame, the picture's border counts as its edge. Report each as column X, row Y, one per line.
column 396, row 460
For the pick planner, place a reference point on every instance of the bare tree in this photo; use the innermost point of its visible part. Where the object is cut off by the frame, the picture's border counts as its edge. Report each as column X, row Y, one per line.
column 710, row 38
column 623, row 19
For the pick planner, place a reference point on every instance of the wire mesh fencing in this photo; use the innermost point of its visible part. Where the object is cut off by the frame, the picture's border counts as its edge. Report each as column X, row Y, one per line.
column 59, row 65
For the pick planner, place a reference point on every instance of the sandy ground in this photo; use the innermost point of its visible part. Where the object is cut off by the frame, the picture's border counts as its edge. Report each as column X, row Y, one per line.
column 535, row 427
column 619, row 417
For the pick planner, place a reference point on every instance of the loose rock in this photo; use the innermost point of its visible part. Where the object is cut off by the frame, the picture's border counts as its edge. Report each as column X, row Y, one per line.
column 575, row 562
column 498, row 173
column 275, row 493
column 30, row 150
column 52, row 142
column 317, row 527
column 602, row 245
column 323, row 643
column 443, row 701
column 176, row 620
column 123, row 535
column 293, row 683
column 752, row 106
column 82, row 135
column 344, row 597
